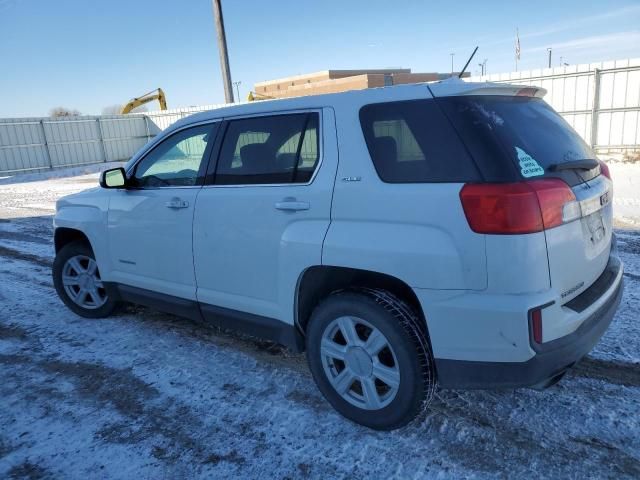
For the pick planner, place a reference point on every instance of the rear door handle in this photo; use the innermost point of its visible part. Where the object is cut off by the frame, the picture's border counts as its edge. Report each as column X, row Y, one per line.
column 292, row 205
column 177, row 203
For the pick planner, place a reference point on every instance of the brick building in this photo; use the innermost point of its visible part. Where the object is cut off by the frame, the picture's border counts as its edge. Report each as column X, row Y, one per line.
column 331, row 81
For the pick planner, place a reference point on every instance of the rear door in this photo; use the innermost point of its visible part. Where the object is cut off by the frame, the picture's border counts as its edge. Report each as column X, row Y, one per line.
column 396, row 207
column 261, row 218
column 538, row 143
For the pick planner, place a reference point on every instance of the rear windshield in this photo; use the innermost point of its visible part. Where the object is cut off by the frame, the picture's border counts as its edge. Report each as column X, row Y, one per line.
column 526, row 130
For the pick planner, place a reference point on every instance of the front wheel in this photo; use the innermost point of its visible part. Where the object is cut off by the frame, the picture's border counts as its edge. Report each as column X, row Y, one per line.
column 370, row 358
column 77, row 280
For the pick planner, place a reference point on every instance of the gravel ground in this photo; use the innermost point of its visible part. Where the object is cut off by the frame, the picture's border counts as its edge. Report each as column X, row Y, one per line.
column 149, row 395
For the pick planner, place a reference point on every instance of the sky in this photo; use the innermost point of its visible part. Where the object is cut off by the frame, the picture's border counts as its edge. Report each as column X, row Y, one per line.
column 91, row 54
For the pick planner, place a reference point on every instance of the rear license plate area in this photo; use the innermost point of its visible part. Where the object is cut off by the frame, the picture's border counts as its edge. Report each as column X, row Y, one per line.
column 595, row 225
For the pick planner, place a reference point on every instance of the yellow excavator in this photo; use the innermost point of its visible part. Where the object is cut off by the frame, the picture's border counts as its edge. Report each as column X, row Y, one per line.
column 255, row 96
column 157, row 94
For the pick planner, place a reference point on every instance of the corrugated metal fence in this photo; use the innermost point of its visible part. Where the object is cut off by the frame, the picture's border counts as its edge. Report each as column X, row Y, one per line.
column 33, row 144
column 600, row 100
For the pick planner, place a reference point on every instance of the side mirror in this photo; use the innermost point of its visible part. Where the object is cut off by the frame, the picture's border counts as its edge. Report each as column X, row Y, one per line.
column 113, row 178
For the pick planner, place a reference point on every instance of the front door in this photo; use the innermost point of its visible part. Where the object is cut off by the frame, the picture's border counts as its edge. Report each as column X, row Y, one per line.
column 150, row 224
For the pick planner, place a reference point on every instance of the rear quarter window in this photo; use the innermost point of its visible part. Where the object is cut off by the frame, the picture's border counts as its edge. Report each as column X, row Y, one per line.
column 413, row 142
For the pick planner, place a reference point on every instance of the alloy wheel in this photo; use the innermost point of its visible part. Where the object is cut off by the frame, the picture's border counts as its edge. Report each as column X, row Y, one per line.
column 360, row 363
column 82, row 283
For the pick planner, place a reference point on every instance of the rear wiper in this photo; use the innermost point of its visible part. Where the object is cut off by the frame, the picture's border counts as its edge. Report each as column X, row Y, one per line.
column 582, row 164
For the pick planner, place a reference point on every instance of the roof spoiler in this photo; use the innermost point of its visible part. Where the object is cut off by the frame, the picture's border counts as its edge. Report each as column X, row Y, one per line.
column 455, row 87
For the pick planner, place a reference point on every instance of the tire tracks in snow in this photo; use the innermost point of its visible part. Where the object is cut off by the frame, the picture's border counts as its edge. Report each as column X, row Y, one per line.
column 28, row 257
column 175, row 431
column 611, row 371
column 23, row 237
column 632, row 276
column 523, row 445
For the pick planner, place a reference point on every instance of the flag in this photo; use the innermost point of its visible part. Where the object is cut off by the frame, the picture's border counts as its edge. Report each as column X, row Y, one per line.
column 517, row 45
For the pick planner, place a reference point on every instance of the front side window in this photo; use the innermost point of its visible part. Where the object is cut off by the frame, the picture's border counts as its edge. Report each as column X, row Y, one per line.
column 269, row 150
column 175, row 161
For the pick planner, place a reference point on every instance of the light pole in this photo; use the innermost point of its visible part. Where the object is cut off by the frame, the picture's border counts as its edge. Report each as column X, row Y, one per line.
column 237, row 85
column 549, row 50
column 452, row 55
column 483, row 67
column 224, row 56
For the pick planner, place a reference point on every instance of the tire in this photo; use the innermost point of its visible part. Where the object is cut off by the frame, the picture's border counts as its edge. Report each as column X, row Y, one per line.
column 383, row 387
column 98, row 302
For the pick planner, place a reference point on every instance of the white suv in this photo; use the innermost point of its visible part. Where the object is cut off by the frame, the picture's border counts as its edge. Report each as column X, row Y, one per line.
column 455, row 232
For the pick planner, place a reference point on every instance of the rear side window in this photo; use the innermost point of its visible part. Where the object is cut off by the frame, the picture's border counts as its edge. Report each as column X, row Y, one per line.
column 270, row 149
column 526, row 131
column 413, row 142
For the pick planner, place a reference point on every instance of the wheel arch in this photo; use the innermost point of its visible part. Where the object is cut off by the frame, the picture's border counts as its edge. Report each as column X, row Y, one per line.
column 65, row 235
column 318, row 282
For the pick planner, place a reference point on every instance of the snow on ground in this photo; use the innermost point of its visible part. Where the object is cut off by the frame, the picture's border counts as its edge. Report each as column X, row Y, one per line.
column 626, row 196
column 149, row 395
column 58, row 173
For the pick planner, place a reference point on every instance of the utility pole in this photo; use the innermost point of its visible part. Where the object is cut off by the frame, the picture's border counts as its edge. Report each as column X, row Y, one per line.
column 222, row 48
column 549, row 50
column 237, row 85
column 452, row 55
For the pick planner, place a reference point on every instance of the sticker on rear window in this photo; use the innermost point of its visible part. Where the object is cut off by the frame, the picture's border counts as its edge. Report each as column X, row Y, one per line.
column 528, row 166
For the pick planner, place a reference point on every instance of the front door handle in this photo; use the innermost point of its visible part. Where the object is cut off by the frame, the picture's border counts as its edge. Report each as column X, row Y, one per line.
column 176, row 202
column 292, row 205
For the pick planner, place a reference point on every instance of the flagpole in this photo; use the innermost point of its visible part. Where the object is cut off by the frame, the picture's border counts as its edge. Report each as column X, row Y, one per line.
column 517, row 55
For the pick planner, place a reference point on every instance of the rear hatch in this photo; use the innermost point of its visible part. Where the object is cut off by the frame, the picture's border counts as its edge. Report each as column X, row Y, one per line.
column 515, row 136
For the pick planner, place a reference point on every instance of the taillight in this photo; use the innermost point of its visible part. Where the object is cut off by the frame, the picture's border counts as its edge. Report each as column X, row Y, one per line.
column 516, row 208
column 536, row 325
column 554, row 195
column 604, row 169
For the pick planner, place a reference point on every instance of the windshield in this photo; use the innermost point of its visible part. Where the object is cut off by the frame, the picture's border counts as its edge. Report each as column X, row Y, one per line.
column 527, row 130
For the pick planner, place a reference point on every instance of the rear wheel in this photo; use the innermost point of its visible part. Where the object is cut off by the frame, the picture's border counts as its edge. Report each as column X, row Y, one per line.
column 77, row 280
column 370, row 358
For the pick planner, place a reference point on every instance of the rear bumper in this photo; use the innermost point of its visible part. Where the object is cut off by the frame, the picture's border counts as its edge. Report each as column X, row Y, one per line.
column 551, row 359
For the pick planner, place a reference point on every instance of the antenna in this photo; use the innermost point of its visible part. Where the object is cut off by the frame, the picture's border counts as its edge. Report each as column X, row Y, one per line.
column 468, row 62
